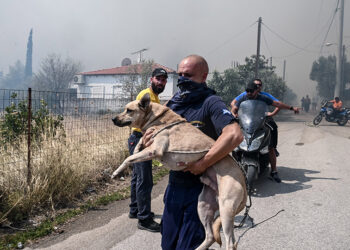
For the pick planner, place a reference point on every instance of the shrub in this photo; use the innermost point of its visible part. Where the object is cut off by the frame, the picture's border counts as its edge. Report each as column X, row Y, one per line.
column 15, row 122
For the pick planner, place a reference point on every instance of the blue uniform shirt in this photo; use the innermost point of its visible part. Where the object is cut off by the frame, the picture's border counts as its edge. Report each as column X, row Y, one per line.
column 210, row 116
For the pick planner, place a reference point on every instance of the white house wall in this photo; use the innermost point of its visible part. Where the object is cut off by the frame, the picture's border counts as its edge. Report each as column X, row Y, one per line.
column 110, row 86
column 170, row 88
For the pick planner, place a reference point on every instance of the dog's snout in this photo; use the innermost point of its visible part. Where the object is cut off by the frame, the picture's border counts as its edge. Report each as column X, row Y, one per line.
column 115, row 121
column 120, row 122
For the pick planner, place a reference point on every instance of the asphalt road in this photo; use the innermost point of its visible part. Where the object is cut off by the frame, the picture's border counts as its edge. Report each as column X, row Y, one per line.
column 308, row 210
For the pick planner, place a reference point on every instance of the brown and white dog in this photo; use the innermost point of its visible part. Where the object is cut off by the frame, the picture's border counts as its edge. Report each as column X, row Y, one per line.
column 176, row 140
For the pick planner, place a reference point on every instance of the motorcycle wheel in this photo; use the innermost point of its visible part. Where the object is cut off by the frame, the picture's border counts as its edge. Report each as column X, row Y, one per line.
column 343, row 121
column 264, row 161
column 317, row 120
column 251, row 173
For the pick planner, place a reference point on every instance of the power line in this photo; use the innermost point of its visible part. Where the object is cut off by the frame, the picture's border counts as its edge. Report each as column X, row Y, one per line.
column 266, row 44
column 314, row 38
column 329, row 27
column 319, row 14
column 232, row 37
column 299, row 48
column 286, row 41
column 289, row 55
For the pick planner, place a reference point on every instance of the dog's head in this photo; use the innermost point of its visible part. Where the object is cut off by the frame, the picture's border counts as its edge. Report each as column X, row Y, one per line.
column 134, row 114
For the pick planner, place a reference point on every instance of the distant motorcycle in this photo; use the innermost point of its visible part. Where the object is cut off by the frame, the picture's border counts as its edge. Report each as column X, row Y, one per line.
column 253, row 152
column 347, row 113
column 327, row 112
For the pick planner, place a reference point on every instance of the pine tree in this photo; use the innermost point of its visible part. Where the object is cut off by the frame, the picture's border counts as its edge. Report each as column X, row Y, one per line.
column 28, row 68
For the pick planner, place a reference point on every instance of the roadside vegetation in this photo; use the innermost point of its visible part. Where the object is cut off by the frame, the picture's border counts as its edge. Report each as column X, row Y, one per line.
column 52, row 224
column 70, row 170
column 323, row 72
column 232, row 81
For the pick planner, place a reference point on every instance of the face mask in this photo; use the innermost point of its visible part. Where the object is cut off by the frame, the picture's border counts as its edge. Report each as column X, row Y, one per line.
column 186, row 85
column 157, row 89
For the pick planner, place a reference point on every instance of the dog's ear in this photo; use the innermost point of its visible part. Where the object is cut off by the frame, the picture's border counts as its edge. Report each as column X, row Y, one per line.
column 145, row 101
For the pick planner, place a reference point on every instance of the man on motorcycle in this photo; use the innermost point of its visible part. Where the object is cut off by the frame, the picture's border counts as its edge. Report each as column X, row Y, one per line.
column 253, row 92
column 273, row 153
column 337, row 106
column 332, row 111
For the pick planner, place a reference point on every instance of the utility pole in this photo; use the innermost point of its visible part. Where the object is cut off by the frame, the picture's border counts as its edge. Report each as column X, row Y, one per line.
column 258, row 49
column 342, row 79
column 271, row 61
column 338, row 84
column 284, row 70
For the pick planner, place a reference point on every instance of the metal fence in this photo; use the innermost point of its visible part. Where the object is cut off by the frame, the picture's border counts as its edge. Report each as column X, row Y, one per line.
column 86, row 124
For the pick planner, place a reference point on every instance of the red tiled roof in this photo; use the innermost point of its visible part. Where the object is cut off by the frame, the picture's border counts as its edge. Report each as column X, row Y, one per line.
column 125, row 70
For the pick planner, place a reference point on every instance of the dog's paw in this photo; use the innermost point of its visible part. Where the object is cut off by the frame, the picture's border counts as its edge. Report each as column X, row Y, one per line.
column 115, row 174
column 119, row 170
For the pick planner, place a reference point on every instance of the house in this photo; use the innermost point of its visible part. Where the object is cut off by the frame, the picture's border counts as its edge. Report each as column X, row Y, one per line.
column 108, row 83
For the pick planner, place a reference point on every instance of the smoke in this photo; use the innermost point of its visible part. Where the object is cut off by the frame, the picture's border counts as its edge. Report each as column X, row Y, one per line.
column 101, row 33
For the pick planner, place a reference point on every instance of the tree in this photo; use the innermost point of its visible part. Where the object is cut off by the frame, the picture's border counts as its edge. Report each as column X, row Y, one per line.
column 15, row 78
column 29, row 59
column 289, row 96
column 130, row 83
column 323, row 71
column 228, row 85
column 146, row 73
column 137, row 79
column 272, row 83
column 346, row 79
column 233, row 80
column 55, row 74
column 247, row 70
column 19, row 76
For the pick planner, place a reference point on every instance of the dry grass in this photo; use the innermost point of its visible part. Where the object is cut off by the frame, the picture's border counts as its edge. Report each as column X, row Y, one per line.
column 62, row 167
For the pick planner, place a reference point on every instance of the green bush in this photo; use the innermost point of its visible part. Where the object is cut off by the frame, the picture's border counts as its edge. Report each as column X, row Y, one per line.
column 15, row 122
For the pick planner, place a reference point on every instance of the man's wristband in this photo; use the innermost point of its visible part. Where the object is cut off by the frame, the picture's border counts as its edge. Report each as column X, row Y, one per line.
column 291, row 108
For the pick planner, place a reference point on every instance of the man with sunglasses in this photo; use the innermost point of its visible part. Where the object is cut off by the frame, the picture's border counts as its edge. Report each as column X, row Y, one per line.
column 142, row 179
column 273, row 153
column 253, row 91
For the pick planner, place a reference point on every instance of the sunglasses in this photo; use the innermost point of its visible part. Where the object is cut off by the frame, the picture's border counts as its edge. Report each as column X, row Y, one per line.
column 250, row 90
column 259, row 85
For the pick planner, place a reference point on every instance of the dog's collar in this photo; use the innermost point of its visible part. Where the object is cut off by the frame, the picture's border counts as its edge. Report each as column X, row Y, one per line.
column 168, row 126
column 157, row 117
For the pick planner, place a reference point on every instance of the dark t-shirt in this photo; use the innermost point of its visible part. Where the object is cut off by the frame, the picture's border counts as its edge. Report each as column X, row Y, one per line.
column 210, row 116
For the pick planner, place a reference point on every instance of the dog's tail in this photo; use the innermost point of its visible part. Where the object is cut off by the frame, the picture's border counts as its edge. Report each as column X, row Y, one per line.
column 216, row 230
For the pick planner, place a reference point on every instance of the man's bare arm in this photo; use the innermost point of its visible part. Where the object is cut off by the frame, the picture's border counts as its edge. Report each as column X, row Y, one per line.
column 233, row 105
column 234, row 108
column 274, row 112
column 282, row 105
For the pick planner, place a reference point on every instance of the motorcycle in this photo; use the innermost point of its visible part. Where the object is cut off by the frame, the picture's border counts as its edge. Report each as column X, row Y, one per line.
column 347, row 110
column 327, row 112
column 253, row 152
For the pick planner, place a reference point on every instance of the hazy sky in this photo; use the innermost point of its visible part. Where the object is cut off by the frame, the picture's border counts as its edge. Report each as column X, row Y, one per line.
column 100, row 33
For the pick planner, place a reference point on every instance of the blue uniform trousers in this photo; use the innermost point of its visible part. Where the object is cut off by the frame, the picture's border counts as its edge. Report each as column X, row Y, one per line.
column 180, row 226
column 141, row 183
